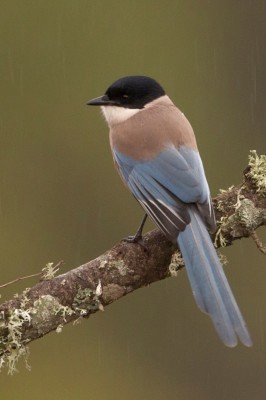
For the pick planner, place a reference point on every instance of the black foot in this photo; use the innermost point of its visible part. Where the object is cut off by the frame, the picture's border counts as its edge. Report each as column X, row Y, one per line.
column 136, row 239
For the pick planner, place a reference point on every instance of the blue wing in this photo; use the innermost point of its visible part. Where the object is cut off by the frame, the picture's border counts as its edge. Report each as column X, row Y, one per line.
column 166, row 184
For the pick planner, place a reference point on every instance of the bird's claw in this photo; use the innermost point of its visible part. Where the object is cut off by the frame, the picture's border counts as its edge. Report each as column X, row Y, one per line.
column 136, row 239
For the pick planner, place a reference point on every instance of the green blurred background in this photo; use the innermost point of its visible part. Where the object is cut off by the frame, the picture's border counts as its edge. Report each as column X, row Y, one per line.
column 61, row 198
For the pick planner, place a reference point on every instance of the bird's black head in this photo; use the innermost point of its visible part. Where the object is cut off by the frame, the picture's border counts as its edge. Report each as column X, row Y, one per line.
column 130, row 92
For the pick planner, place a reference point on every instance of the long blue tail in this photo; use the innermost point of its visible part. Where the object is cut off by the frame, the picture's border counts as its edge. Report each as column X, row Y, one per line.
column 209, row 284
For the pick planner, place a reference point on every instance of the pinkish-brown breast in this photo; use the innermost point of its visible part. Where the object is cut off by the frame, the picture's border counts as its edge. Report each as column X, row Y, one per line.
column 153, row 128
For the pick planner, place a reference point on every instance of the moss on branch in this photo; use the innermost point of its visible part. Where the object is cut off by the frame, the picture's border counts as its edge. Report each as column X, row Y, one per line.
column 56, row 301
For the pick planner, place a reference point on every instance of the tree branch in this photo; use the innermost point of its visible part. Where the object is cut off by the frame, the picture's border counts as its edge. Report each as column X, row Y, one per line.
column 55, row 301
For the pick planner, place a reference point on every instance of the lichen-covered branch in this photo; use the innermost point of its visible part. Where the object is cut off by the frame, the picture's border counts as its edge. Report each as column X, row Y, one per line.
column 240, row 210
column 55, row 301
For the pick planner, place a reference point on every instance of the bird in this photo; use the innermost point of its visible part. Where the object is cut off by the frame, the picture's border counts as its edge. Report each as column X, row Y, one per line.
column 155, row 152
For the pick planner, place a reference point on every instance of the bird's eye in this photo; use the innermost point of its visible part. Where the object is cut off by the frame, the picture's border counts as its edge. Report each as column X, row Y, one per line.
column 125, row 96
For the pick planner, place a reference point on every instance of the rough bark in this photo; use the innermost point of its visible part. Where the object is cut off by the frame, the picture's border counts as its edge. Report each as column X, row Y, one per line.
column 53, row 302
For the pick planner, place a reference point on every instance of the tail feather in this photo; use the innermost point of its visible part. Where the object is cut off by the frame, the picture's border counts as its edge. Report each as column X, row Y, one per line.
column 209, row 284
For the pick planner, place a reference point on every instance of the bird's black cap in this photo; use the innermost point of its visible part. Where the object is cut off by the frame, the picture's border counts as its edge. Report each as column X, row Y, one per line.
column 130, row 92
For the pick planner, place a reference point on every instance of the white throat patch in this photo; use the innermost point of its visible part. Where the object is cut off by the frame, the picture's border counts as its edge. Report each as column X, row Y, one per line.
column 115, row 115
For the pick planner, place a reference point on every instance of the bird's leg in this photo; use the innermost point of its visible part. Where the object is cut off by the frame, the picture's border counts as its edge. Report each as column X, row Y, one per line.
column 137, row 238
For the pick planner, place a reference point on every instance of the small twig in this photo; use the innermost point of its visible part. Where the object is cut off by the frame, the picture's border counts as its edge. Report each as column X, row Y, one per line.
column 20, row 279
column 49, row 269
column 258, row 242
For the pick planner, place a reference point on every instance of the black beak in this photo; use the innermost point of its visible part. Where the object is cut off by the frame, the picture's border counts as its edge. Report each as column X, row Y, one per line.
column 101, row 101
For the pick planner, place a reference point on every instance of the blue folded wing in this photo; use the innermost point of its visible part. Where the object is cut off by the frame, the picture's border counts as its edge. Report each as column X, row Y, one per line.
column 165, row 185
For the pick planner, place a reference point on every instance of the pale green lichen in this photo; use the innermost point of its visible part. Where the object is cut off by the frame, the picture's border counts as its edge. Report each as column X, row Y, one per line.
column 258, row 171
column 223, row 259
column 176, row 263
column 45, row 307
column 11, row 346
column 87, row 300
column 41, row 316
column 219, row 237
column 49, row 271
column 117, row 264
column 246, row 217
column 247, row 214
column 239, row 199
column 222, row 191
column 220, row 203
column 13, row 357
column 12, row 325
column 24, row 300
column 120, row 266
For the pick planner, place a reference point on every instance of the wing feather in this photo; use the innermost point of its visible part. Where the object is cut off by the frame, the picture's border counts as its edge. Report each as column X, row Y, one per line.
column 165, row 184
